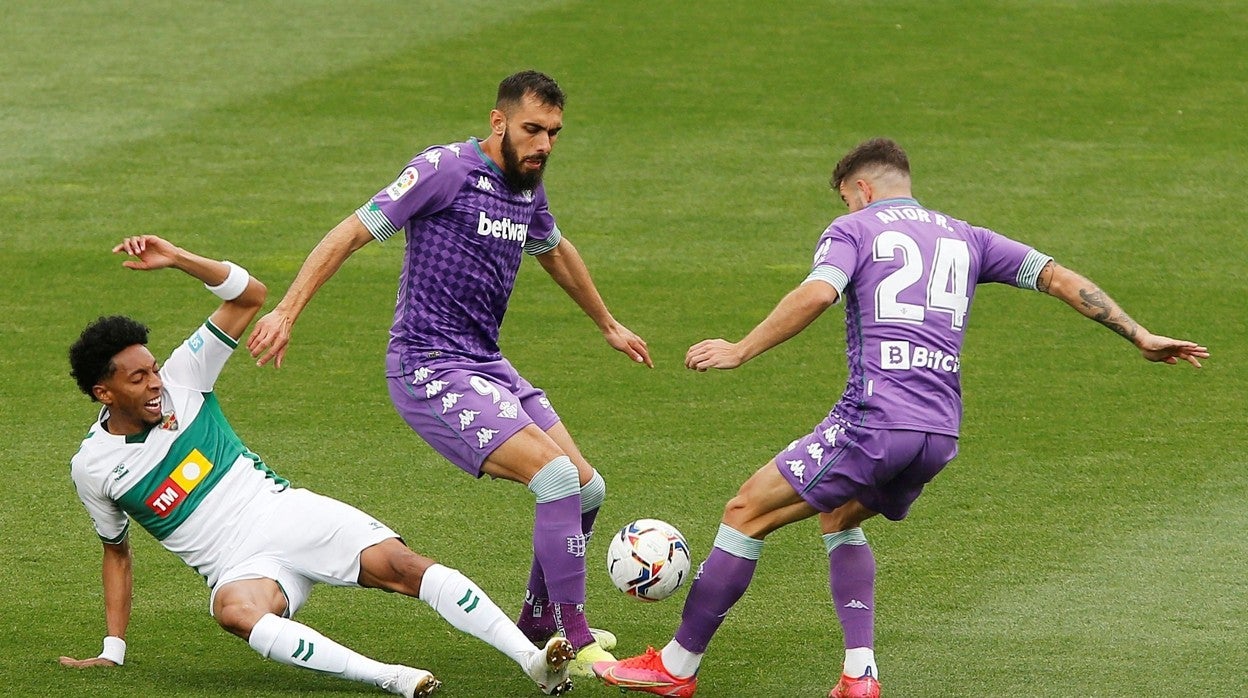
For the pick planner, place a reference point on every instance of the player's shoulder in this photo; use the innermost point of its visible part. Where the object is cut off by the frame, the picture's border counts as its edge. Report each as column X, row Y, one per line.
column 93, row 453
column 447, row 159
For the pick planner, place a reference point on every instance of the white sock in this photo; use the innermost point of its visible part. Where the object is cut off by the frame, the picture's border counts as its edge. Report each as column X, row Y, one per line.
column 295, row 644
column 858, row 660
column 462, row 603
column 679, row 661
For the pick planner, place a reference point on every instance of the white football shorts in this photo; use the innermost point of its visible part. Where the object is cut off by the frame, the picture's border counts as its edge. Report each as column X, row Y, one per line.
column 305, row 539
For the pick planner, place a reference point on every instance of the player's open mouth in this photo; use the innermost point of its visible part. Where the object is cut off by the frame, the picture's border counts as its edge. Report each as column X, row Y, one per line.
column 152, row 405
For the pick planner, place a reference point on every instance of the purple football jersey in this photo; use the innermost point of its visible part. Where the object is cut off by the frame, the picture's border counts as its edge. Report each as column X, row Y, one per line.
column 465, row 232
column 908, row 276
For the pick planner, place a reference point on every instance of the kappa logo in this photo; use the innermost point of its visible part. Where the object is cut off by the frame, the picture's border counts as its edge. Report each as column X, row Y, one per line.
column 792, row 445
column 195, row 343
column 855, row 603
column 831, row 433
column 120, row 472
column 823, row 249
column 466, row 418
column 433, row 157
column 434, row 387
column 454, row 148
column 449, row 400
column 484, row 436
column 544, row 402
column 816, row 453
column 420, row 374
column 798, row 468
column 527, row 195
column 407, row 180
column 508, row 410
column 483, row 183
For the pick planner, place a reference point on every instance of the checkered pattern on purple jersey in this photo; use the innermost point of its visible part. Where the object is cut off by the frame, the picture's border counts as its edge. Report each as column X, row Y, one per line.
column 466, row 232
column 908, row 276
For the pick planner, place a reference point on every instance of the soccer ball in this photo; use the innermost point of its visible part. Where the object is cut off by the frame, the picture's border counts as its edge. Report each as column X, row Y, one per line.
column 648, row 559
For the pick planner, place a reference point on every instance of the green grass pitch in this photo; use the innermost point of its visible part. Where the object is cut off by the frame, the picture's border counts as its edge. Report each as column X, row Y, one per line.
column 1089, row 541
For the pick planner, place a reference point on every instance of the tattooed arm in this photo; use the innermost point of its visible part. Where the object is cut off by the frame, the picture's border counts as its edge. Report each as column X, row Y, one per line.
column 1083, row 295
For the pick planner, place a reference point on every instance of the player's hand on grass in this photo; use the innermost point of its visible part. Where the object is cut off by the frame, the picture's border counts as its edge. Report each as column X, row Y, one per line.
column 1166, row 350
column 625, row 340
column 86, row 663
column 153, row 252
column 713, row 353
column 270, row 337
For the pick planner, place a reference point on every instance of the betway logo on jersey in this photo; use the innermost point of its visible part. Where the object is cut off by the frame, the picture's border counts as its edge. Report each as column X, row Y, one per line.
column 505, row 228
column 903, row 356
column 184, row 478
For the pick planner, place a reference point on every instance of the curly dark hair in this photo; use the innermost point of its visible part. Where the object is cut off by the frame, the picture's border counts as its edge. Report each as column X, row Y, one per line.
column 91, row 357
column 513, row 88
column 877, row 151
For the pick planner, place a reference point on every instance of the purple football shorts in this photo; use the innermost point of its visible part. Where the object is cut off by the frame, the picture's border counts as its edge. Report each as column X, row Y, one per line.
column 884, row 469
column 466, row 409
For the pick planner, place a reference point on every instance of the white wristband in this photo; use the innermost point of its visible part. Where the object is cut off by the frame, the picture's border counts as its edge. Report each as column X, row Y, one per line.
column 114, row 650
column 233, row 286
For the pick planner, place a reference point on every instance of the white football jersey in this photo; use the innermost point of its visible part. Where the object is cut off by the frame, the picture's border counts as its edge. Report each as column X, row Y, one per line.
column 188, row 480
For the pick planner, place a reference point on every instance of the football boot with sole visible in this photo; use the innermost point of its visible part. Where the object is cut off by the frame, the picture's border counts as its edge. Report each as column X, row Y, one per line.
column 548, row 667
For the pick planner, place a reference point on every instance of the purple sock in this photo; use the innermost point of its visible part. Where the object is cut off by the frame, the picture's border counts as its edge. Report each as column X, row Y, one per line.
column 720, row 582
column 559, row 548
column 851, row 571
column 587, row 523
column 537, row 621
column 570, row 620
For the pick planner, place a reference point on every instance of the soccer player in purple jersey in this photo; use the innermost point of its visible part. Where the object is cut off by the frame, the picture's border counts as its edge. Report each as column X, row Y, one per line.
column 469, row 211
column 907, row 275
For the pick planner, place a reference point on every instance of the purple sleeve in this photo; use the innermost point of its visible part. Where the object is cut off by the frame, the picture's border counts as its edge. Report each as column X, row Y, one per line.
column 543, row 234
column 1007, row 261
column 836, row 258
column 427, row 185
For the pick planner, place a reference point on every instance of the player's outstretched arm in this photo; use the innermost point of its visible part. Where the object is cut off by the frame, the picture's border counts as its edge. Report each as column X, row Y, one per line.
column 271, row 335
column 565, row 266
column 791, row 315
column 1084, row 296
column 118, row 594
column 245, row 293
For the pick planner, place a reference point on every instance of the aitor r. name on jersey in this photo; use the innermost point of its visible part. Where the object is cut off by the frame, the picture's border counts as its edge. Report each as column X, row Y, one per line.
column 188, row 479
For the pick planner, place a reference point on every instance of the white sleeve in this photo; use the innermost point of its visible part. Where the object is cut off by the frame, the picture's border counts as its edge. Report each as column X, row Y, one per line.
column 199, row 360
column 111, row 523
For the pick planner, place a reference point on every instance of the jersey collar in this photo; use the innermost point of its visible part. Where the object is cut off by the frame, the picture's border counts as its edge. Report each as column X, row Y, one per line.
column 484, row 158
column 894, row 200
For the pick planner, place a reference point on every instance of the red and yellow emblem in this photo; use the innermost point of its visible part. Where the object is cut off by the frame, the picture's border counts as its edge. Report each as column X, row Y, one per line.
column 184, row 478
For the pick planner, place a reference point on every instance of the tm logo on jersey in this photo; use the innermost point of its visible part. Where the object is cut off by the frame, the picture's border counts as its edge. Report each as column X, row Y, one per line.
column 902, row 356
column 504, row 229
column 184, row 478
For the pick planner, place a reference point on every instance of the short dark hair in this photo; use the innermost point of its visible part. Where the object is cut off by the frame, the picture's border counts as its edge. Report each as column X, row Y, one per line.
column 91, row 357
column 882, row 152
column 513, row 88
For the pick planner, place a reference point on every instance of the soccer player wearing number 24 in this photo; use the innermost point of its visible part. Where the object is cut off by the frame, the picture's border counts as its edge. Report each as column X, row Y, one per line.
column 162, row 453
column 907, row 275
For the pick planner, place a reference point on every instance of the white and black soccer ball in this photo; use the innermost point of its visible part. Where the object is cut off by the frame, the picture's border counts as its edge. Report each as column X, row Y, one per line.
column 648, row 559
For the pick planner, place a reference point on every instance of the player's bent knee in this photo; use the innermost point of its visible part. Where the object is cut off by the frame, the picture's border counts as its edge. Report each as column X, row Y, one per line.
column 393, row 566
